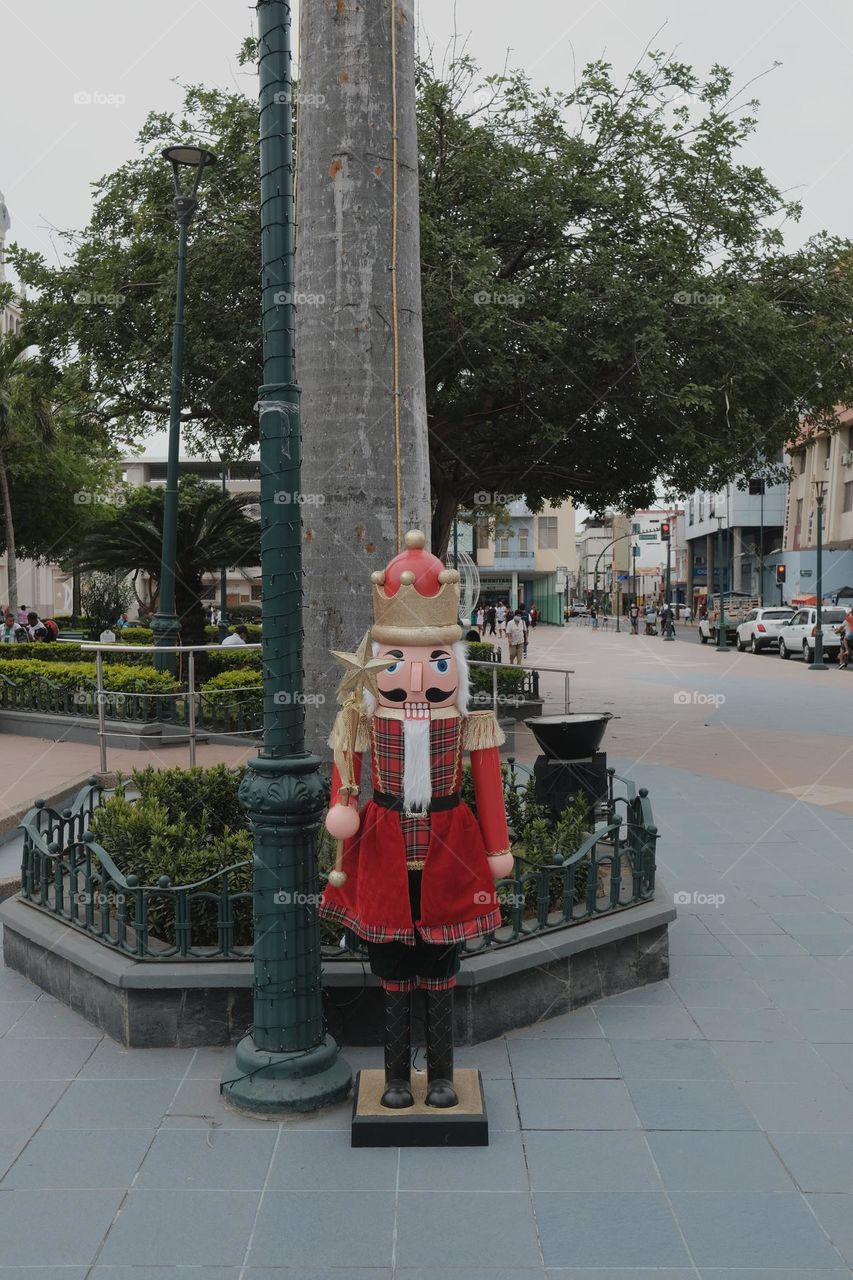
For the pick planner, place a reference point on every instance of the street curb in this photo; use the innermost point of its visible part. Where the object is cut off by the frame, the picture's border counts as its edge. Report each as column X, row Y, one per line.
column 15, row 818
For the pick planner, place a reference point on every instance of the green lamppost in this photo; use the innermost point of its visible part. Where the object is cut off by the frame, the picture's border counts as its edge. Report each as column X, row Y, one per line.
column 819, row 664
column 223, row 573
column 722, row 641
column 287, row 1063
column 186, row 162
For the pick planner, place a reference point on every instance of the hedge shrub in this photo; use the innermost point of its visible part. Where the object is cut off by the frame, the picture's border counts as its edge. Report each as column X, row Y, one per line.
column 233, row 694
column 510, row 680
column 123, row 678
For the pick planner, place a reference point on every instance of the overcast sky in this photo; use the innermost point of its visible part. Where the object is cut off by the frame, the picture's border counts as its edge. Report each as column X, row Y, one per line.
column 125, row 57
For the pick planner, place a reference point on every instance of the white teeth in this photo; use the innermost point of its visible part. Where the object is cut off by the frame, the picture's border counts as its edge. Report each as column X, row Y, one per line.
column 416, row 710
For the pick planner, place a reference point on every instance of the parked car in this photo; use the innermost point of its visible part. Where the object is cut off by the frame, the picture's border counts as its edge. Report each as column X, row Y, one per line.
column 760, row 628
column 578, row 611
column 798, row 633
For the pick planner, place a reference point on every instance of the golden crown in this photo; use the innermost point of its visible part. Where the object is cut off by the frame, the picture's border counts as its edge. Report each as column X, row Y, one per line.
column 407, row 616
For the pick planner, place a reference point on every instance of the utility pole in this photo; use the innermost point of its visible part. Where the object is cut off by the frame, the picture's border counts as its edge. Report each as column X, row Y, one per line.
column 287, row 1062
column 819, row 664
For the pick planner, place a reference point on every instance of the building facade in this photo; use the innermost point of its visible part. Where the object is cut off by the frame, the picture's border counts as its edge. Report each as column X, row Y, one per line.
column 820, row 463
column 604, row 559
column 528, row 559
column 650, row 551
column 734, row 540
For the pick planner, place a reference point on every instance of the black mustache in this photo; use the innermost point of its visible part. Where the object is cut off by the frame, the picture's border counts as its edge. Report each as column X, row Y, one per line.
column 431, row 695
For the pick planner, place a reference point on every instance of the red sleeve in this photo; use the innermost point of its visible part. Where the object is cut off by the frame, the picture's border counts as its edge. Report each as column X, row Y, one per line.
column 489, row 790
column 336, row 780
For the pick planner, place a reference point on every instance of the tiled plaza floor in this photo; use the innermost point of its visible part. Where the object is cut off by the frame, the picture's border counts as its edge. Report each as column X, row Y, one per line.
column 701, row 1128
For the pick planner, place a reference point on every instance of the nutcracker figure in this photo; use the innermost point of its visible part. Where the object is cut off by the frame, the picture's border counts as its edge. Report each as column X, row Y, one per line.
column 416, row 869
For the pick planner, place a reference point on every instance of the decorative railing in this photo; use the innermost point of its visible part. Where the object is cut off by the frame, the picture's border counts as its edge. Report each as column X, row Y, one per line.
column 66, row 873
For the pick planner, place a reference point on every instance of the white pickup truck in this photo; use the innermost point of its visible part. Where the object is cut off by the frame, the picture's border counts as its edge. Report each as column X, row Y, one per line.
column 736, row 608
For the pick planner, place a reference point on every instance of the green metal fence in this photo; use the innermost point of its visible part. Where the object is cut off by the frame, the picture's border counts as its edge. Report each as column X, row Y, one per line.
column 67, row 874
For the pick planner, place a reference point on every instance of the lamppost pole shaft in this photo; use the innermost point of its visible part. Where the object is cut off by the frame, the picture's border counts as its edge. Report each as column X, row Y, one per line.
column 819, row 664
column 165, row 622
column 669, row 630
column 288, row 1063
column 223, row 573
column 722, row 641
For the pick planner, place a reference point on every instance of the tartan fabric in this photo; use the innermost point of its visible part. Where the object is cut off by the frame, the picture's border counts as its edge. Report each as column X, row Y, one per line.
column 436, row 984
column 408, row 984
column 445, row 772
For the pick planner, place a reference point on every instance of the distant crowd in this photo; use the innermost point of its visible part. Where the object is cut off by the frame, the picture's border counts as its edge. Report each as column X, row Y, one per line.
column 503, row 622
column 26, row 627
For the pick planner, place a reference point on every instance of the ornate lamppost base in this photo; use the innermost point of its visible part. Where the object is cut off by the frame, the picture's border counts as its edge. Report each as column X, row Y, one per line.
column 268, row 1084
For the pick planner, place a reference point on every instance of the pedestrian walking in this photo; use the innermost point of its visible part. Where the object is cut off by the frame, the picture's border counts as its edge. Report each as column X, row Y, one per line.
column 634, row 615
column 534, row 616
column 480, row 619
column 515, row 634
column 491, row 618
column 593, row 617
column 500, row 617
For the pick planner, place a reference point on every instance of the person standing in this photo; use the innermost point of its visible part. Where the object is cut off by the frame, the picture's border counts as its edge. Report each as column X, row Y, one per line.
column 500, row 615
column 534, row 616
column 634, row 615
column 593, row 617
column 490, row 619
column 515, row 634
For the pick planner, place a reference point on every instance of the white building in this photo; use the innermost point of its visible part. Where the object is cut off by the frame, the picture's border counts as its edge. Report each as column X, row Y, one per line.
column 731, row 536
column 528, row 559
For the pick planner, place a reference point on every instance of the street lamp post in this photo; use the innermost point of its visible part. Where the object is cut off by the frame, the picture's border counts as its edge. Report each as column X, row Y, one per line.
column 223, row 574
column 287, row 1063
column 722, row 642
column 819, row 664
column 165, row 625
column 668, row 628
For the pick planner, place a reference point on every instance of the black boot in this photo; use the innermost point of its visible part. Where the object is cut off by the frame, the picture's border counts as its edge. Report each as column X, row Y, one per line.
column 439, row 1029
column 398, row 1050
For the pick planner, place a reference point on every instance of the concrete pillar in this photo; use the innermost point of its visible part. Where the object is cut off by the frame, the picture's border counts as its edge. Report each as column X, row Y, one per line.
column 737, row 559
column 709, row 563
column 688, row 586
column 513, row 591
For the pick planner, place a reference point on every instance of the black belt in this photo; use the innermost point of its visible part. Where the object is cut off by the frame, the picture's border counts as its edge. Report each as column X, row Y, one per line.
column 436, row 805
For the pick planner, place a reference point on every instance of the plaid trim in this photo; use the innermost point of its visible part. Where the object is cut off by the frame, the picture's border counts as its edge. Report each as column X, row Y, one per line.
column 445, row 742
column 406, row 984
column 436, row 984
column 467, row 929
column 367, row 933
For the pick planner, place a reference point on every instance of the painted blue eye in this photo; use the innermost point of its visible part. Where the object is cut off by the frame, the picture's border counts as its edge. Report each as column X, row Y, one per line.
column 390, row 670
column 442, row 666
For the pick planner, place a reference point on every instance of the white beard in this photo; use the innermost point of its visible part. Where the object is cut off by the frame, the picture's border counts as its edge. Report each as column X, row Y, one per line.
column 417, row 781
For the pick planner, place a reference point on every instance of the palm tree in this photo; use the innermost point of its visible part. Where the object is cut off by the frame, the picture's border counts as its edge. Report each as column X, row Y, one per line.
column 214, row 532
column 26, row 418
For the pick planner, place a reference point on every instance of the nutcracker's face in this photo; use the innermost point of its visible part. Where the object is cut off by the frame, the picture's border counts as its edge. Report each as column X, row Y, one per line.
column 420, row 674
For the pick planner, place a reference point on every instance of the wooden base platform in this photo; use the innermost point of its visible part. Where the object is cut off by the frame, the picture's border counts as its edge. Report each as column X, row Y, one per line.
column 465, row 1125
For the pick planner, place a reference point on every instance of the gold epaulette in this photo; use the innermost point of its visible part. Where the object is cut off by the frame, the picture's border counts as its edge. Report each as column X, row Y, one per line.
column 481, row 730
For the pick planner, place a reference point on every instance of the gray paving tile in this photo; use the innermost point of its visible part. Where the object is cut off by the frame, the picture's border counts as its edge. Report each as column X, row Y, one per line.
column 827, row 994
column 472, row 1226
column 14, row 986
column 620, row 1273
column 43, row 1273
column 751, row 1229
column 587, row 1160
column 177, row 1228
column 562, row 1059
column 750, row 1060
column 75, row 1160
column 222, row 1160
column 166, row 1273
column 666, row 1060
column 69, row 1234
column 762, row 1273
column 198, row 1104
column 12, row 1142
column 783, row 1107
column 839, row 1058
column 640, row 1232
column 621, row 1022
column 13, row 1012
column 112, row 1061
column 501, row 1106
column 835, row 1214
column 31, row 1059
column 491, row 1059
column 823, row 1026
column 817, row 1161
column 24, row 1105
column 464, row 1273
column 318, row 1273
column 705, row 968
column 209, row 1063
column 566, row 1026
column 46, row 1019
column 825, row 944
column 112, row 1104
column 356, row 1230
column 655, row 993
column 697, row 944
column 718, row 1162
column 306, row 1160
column 575, row 1104
column 498, row 1167
column 689, row 1104
column 736, row 1024
column 743, row 994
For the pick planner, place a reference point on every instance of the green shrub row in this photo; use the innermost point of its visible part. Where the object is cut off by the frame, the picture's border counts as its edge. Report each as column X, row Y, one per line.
column 123, row 678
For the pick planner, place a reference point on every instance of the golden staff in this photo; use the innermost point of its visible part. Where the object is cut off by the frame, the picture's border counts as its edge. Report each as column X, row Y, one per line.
column 360, row 674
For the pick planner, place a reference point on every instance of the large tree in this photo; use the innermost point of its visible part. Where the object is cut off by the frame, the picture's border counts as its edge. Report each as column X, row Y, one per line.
column 608, row 303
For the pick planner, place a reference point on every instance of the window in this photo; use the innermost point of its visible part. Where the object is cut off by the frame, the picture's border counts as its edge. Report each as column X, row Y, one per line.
column 502, row 545
column 691, row 510
column 712, row 505
column 547, row 526
column 850, row 437
column 523, row 539
column 848, row 496
column 701, row 507
column 799, row 512
column 801, row 462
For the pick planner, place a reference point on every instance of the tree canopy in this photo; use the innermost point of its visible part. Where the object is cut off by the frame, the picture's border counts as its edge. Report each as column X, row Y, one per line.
column 609, row 306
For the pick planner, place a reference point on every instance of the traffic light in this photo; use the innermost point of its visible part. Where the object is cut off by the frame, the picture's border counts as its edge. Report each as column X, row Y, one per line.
column 664, row 531
column 780, row 574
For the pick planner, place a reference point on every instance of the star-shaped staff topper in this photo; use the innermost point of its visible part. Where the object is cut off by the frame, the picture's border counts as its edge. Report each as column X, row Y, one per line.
column 360, row 670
